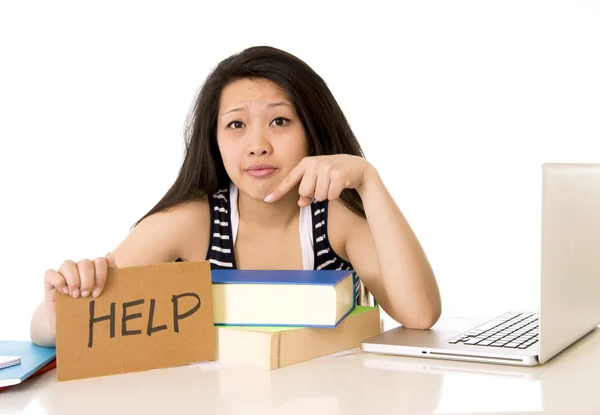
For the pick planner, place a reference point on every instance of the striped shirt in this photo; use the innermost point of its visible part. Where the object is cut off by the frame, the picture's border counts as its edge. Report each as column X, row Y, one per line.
column 220, row 252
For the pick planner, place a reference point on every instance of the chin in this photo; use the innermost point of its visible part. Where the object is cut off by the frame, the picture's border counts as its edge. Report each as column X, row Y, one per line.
column 256, row 191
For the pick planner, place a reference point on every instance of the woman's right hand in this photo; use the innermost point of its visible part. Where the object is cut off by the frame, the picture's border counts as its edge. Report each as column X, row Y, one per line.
column 77, row 279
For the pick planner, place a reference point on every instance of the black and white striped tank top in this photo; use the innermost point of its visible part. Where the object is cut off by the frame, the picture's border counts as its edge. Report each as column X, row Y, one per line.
column 317, row 252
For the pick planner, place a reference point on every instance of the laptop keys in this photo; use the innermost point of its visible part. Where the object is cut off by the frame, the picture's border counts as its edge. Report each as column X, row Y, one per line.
column 511, row 330
column 512, row 345
column 527, row 344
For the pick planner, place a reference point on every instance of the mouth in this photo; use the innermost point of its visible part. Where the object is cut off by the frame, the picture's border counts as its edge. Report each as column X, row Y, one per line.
column 261, row 170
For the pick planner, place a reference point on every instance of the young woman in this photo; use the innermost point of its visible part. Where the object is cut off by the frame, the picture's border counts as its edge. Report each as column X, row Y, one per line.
column 273, row 178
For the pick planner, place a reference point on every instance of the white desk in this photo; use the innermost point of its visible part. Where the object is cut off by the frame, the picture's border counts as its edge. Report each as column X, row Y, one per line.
column 355, row 383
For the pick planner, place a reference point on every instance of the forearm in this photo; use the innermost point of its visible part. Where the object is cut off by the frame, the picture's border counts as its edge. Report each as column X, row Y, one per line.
column 41, row 332
column 409, row 283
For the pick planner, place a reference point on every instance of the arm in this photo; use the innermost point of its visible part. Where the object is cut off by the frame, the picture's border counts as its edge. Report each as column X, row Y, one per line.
column 401, row 278
column 383, row 249
column 40, row 330
column 181, row 232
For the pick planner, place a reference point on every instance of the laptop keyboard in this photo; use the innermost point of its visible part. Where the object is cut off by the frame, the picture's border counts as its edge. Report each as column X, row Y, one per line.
column 510, row 330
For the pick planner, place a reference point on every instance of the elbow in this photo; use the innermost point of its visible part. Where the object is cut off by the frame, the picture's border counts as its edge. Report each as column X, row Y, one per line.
column 423, row 322
column 423, row 319
column 42, row 339
column 428, row 313
column 40, row 331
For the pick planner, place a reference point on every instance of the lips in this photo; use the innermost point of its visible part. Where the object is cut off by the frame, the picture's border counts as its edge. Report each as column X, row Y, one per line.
column 261, row 170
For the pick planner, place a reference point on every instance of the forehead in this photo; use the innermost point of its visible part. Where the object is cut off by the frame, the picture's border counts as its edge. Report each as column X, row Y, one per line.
column 244, row 92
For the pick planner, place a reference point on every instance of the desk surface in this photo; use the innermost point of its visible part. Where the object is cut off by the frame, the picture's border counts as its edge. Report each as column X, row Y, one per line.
column 351, row 383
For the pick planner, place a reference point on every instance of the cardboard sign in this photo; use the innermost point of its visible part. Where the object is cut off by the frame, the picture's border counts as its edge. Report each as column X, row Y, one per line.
column 147, row 317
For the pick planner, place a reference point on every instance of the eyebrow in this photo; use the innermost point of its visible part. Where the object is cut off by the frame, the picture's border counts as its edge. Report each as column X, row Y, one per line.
column 270, row 105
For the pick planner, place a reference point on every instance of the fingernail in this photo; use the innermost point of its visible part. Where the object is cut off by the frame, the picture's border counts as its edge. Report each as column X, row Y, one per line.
column 269, row 198
column 85, row 293
column 65, row 290
column 75, row 293
column 96, row 292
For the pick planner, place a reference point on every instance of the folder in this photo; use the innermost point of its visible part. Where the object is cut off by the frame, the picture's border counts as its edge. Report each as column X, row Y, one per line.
column 33, row 358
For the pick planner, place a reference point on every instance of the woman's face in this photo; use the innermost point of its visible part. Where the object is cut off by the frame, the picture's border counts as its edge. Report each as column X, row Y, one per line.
column 260, row 137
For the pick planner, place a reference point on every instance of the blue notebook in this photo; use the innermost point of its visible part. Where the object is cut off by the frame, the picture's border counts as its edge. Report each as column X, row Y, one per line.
column 298, row 298
column 253, row 276
column 33, row 358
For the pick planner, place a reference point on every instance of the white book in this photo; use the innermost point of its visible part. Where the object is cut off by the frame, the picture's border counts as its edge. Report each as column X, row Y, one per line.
column 7, row 361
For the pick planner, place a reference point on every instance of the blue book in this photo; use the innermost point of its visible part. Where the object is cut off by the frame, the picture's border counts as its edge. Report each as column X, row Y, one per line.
column 32, row 358
column 285, row 298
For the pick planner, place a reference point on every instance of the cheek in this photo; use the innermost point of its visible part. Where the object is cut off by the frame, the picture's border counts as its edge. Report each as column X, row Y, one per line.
column 227, row 155
column 300, row 153
column 296, row 145
column 302, row 147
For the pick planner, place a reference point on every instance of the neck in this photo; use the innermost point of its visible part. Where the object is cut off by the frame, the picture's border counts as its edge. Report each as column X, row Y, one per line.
column 272, row 216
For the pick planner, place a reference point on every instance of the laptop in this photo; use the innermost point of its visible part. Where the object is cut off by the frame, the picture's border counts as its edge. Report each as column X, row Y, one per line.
column 569, row 302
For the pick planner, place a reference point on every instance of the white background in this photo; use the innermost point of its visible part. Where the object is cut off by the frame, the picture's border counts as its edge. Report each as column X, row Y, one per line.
column 456, row 103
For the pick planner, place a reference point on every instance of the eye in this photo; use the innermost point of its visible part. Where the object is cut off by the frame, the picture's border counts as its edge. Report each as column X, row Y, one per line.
column 235, row 124
column 280, row 121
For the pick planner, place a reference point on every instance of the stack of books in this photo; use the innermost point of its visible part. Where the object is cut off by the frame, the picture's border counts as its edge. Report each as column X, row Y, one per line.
column 277, row 318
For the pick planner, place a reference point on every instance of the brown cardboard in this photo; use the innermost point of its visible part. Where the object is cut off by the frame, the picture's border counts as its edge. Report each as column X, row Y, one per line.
column 153, row 293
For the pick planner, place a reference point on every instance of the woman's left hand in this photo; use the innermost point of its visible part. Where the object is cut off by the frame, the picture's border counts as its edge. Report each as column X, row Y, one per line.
column 324, row 178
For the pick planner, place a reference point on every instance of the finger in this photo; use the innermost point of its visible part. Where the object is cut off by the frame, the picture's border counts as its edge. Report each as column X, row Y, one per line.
column 87, row 276
column 322, row 187
column 101, row 270
column 304, row 201
column 306, row 190
column 54, row 281
column 336, row 187
column 287, row 183
column 69, row 271
column 111, row 260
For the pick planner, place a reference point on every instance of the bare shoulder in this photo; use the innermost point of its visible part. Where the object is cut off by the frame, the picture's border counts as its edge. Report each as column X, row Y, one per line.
column 193, row 229
column 181, row 231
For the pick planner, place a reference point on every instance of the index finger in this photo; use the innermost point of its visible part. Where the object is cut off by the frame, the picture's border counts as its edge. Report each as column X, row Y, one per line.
column 54, row 281
column 292, row 179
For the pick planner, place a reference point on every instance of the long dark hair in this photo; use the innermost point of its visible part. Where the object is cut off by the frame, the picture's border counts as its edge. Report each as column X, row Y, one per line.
column 327, row 130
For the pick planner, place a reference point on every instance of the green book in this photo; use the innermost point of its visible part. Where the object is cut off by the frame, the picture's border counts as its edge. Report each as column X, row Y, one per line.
column 274, row 347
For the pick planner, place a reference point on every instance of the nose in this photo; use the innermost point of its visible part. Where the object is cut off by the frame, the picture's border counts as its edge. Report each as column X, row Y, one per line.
column 259, row 144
